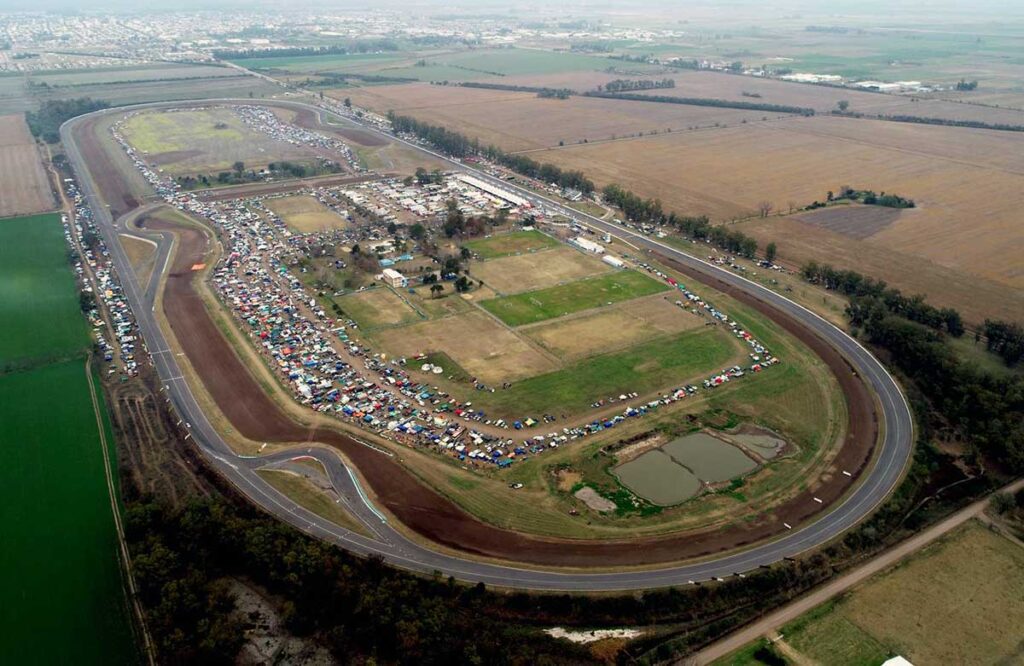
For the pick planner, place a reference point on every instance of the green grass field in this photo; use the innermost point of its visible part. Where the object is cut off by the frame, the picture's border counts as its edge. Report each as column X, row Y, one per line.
column 61, row 598
column 38, row 296
column 644, row 368
column 182, row 130
column 354, row 63
column 516, row 242
column 534, row 306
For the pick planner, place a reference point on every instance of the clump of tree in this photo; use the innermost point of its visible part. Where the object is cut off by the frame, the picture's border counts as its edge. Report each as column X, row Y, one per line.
column 706, row 101
column 873, row 294
column 966, row 86
column 45, row 122
column 625, row 85
column 871, row 198
column 1005, row 339
column 424, row 177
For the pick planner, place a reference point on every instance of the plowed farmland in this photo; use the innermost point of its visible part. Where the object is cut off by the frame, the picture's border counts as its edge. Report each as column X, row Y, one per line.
column 24, row 187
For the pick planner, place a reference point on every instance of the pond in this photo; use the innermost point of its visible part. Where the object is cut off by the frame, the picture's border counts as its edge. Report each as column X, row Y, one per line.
column 709, row 458
column 657, row 478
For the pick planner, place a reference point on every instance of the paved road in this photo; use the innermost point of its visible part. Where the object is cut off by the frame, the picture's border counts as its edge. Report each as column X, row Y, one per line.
column 876, row 483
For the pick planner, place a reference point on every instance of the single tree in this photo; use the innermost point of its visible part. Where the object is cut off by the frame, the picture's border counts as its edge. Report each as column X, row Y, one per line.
column 769, row 252
column 436, row 289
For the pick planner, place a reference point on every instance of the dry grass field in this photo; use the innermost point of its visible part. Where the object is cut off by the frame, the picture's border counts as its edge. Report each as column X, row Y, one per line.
column 956, row 602
column 204, row 141
column 967, row 184
column 525, row 272
column 377, row 307
column 617, row 327
column 303, row 213
column 523, row 121
column 482, row 346
column 24, row 187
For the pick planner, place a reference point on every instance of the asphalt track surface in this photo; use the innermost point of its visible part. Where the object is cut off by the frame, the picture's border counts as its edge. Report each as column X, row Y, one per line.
column 875, row 483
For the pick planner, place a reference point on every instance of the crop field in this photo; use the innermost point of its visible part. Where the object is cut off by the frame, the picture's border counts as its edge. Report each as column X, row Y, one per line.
column 24, row 188
column 61, row 598
column 377, row 307
column 969, row 228
column 203, row 141
column 481, row 346
column 122, row 86
column 510, row 119
column 38, row 296
column 517, row 242
column 524, row 272
column 534, row 306
column 855, row 221
column 303, row 213
column 957, row 601
column 615, row 327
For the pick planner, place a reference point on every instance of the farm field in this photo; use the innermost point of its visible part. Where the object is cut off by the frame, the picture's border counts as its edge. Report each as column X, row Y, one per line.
column 517, row 242
column 509, row 119
column 38, row 296
column 524, row 272
column 132, row 86
column 541, row 304
column 25, row 187
column 61, row 597
column 957, row 601
column 969, row 228
column 203, row 141
column 304, row 214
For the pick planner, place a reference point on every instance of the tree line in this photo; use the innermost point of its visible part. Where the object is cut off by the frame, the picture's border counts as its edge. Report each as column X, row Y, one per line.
column 360, row 46
column 560, row 93
column 45, row 122
column 870, row 198
column 706, row 101
column 877, row 293
column 945, row 122
column 459, row 145
column 638, row 209
column 625, row 85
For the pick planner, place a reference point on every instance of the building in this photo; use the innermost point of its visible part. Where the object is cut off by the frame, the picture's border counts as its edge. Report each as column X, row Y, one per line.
column 394, row 278
column 494, row 191
column 587, row 245
column 613, row 261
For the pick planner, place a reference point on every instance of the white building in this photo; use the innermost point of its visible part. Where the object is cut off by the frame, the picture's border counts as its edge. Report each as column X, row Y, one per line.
column 494, row 190
column 613, row 261
column 588, row 245
column 394, row 278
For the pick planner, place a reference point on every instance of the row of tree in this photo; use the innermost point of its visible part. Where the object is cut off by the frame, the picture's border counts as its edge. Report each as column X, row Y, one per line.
column 638, row 209
column 459, row 145
column 358, row 46
column 707, row 101
column 1005, row 339
column 871, row 292
column 625, row 85
column 560, row 93
column 871, row 198
column 46, row 121
column 946, row 122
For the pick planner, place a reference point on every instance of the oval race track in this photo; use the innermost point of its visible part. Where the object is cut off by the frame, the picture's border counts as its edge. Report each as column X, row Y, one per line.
column 876, row 482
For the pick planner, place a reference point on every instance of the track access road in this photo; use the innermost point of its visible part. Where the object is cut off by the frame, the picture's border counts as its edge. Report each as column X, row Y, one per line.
column 875, row 483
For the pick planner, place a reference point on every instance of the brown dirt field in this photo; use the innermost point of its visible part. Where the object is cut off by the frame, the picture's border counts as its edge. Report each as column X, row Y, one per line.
column 525, row 272
column 483, row 347
column 855, row 221
column 303, row 213
column 248, row 407
column 24, row 186
column 969, row 184
column 616, row 327
column 523, row 121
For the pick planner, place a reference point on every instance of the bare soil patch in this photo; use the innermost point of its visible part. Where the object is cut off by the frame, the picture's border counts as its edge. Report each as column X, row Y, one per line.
column 595, row 502
column 24, row 186
column 855, row 221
